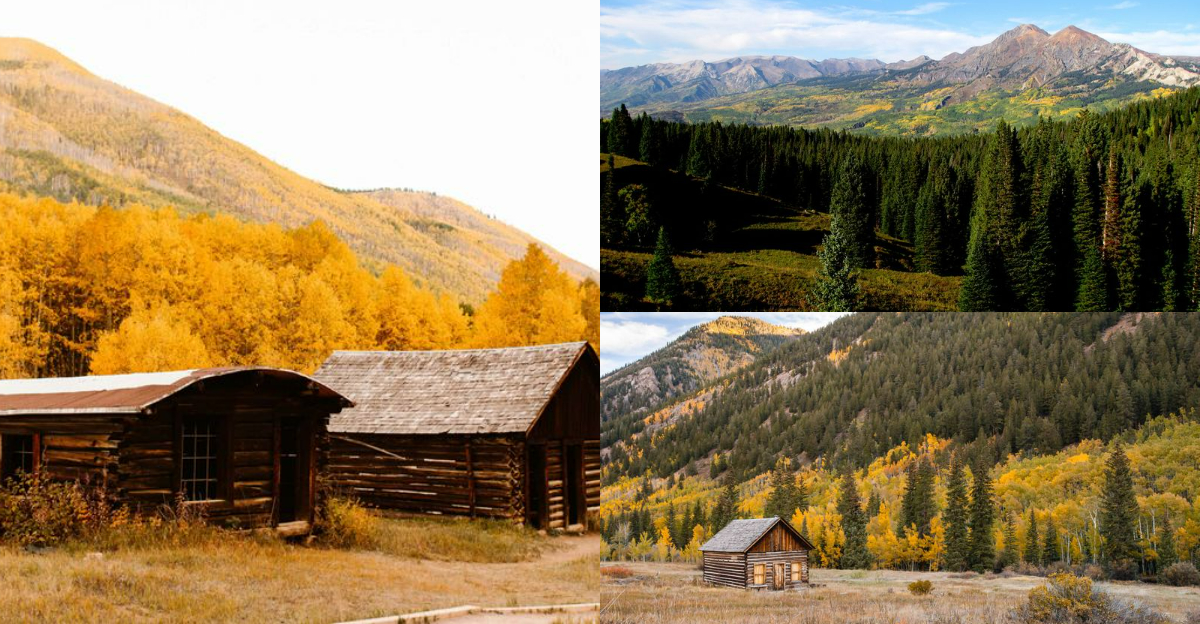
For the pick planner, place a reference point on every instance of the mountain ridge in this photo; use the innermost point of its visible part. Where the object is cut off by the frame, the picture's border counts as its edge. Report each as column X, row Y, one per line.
column 1023, row 73
column 68, row 134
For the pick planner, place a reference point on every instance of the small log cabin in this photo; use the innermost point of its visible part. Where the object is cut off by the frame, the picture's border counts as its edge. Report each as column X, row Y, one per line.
column 760, row 553
column 499, row 433
column 244, row 444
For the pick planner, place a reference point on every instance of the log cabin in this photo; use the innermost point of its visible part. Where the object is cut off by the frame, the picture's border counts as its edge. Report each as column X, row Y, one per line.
column 759, row 553
column 508, row 433
column 241, row 445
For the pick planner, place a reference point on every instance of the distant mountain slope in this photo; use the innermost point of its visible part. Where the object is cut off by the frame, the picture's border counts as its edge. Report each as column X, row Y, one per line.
column 1023, row 73
column 66, row 133
column 664, row 83
column 706, row 352
column 867, row 382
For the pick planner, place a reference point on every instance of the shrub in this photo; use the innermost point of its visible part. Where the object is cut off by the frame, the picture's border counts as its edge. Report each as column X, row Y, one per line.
column 40, row 512
column 1182, row 573
column 1068, row 599
column 344, row 522
column 920, row 588
column 617, row 572
column 1094, row 572
column 1124, row 570
column 1029, row 569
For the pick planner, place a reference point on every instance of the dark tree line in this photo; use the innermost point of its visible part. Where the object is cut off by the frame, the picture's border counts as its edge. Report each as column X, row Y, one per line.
column 1096, row 213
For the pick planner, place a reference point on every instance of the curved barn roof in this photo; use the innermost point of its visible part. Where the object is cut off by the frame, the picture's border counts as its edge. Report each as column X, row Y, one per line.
column 741, row 535
column 120, row 394
column 466, row 391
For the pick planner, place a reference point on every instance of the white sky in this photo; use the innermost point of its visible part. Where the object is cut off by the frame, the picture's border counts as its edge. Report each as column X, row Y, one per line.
column 492, row 103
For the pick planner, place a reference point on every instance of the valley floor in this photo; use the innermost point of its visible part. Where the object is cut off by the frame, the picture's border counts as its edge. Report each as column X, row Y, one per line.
column 660, row 593
column 241, row 579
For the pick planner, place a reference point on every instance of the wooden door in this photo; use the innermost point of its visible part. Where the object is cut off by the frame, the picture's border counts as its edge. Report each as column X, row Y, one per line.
column 779, row 579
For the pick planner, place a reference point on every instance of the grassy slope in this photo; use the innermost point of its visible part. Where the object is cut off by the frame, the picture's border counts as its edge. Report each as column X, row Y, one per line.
column 71, row 135
column 766, row 262
column 659, row 593
column 239, row 578
column 870, row 105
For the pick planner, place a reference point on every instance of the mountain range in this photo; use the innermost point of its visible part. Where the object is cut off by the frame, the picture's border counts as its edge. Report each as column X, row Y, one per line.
column 68, row 134
column 1023, row 73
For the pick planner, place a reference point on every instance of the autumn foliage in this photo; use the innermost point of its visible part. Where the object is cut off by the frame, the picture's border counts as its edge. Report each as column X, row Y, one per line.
column 98, row 290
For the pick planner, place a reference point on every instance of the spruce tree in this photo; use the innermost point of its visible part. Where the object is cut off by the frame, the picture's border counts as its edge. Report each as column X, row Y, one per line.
column 662, row 278
column 726, row 509
column 1033, row 544
column 917, row 506
column 672, row 524
column 934, row 235
column 648, row 147
column 957, row 545
column 784, row 497
column 1118, row 509
column 854, row 525
column 848, row 201
column 1008, row 556
column 836, row 288
column 1166, row 544
column 612, row 209
column 983, row 517
column 1093, row 285
column 1050, row 549
column 983, row 280
column 619, row 129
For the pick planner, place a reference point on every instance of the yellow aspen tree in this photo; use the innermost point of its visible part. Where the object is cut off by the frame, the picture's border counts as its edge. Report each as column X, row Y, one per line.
column 590, row 302
column 149, row 339
column 535, row 303
column 413, row 319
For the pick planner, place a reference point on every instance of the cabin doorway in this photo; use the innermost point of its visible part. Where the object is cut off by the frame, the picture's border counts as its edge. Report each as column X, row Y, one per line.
column 575, row 493
column 779, row 579
column 536, row 466
column 294, row 498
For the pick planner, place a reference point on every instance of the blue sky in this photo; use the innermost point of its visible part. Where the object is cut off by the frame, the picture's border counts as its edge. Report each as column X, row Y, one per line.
column 636, row 32
column 627, row 336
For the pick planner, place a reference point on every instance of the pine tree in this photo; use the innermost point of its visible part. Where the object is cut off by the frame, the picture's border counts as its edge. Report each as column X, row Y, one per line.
column 854, row 525
column 1093, row 285
column 957, row 545
column 1110, row 231
column 848, row 202
column 1008, row 556
column 1166, row 544
column 648, row 146
column 662, row 278
column 836, row 288
column 784, row 497
column 983, row 280
column 1033, row 551
column 917, row 506
column 620, row 126
column 1050, row 550
column 934, row 234
column 982, row 515
column 1128, row 274
column 672, row 525
column 1118, row 509
column 726, row 509
column 612, row 209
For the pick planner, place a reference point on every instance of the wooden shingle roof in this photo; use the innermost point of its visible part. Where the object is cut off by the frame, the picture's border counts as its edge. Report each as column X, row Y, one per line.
column 740, row 535
column 473, row 391
column 118, row 394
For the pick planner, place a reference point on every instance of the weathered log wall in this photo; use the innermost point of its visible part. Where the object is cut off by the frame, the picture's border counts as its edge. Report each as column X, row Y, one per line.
column 476, row 476
column 769, row 559
column 727, row 569
column 591, row 471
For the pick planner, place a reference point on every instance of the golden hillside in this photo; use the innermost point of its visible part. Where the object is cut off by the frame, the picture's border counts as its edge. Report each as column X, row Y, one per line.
column 68, row 134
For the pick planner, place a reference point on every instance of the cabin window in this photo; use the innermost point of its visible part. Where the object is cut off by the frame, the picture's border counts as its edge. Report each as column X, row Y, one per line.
column 199, row 457
column 19, row 453
column 795, row 571
column 760, row 573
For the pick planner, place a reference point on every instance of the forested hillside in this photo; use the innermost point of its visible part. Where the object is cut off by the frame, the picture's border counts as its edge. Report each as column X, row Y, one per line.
column 68, row 134
column 704, row 353
column 100, row 290
column 868, row 382
column 1098, row 213
column 917, row 507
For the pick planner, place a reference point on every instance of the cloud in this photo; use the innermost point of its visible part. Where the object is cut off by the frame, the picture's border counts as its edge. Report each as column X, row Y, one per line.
column 1126, row 4
column 1159, row 41
column 648, row 31
column 630, row 337
column 924, row 9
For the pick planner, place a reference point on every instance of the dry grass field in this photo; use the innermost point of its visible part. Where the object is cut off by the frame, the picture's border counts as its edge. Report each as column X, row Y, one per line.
column 224, row 577
column 658, row 593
